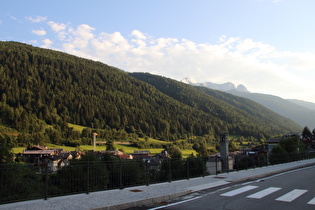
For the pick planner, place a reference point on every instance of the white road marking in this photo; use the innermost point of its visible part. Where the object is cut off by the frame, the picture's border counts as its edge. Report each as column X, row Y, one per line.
column 312, row 202
column 264, row 193
column 207, row 186
column 290, row 196
column 239, row 191
column 177, row 203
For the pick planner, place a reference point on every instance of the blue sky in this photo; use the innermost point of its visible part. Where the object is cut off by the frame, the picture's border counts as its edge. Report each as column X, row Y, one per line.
column 266, row 45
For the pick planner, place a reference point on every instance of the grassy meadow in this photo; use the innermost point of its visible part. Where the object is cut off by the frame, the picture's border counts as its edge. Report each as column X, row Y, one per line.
column 127, row 148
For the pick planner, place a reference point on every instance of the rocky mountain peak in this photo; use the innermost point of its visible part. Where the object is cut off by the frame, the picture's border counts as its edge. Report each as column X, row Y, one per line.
column 223, row 87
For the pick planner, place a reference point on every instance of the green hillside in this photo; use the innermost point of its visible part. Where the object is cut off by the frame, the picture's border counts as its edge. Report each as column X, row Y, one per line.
column 241, row 116
column 43, row 90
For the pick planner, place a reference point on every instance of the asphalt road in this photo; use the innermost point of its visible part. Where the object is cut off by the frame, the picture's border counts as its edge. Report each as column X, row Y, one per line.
column 291, row 190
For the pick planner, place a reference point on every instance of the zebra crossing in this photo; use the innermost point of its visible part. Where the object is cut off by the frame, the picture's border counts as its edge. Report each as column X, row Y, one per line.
column 287, row 197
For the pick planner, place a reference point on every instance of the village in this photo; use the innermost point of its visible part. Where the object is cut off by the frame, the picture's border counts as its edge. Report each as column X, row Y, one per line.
column 54, row 159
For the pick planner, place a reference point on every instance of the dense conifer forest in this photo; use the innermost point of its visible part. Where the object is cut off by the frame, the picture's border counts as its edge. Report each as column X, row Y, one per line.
column 43, row 90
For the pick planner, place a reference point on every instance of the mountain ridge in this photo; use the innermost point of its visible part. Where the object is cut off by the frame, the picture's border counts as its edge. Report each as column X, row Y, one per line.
column 39, row 86
column 249, row 111
column 302, row 112
column 306, row 104
column 215, row 86
column 298, row 113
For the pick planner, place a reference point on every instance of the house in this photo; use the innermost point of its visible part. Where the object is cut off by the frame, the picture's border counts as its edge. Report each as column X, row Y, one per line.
column 36, row 153
column 41, row 156
column 126, row 156
column 257, row 150
column 273, row 142
column 116, row 153
column 162, row 155
column 77, row 154
column 112, row 152
column 141, row 154
column 55, row 162
column 155, row 161
column 214, row 163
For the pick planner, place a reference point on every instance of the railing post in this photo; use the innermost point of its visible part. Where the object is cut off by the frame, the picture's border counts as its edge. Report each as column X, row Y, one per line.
column 147, row 172
column 169, row 170
column 216, row 165
column 120, row 175
column 87, row 177
column 204, row 167
column 254, row 164
column 267, row 159
column 187, row 168
column 227, row 164
column 46, row 181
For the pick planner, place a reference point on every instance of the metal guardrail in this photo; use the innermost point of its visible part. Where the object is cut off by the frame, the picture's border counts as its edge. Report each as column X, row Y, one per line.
column 19, row 182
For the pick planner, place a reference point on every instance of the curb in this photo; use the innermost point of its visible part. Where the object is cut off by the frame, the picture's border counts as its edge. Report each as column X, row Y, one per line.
column 263, row 175
column 145, row 202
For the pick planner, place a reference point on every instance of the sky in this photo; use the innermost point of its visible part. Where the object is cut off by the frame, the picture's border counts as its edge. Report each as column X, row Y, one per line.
column 266, row 45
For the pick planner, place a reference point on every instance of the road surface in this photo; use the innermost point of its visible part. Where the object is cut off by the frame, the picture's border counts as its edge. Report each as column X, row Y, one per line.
column 291, row 190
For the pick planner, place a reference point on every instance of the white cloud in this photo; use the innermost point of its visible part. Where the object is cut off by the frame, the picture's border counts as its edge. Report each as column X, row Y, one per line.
column 39, row 32
column 37, row 19
column 57, row 27
column 47, row 43
column 83, row 31
column 259, row 66
column 80, row 37
column 138, row 34
column 35, row 42
column 13, row 17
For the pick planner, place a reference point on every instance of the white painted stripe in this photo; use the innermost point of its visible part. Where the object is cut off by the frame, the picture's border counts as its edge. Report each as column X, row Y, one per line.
column 290, row 196
column 239, row 191
column 177, row 203
column 264, row 193
column 312, row 201
column 207, row 186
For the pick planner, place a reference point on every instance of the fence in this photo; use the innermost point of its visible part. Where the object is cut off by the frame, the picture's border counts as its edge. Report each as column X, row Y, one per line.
column 20, row 182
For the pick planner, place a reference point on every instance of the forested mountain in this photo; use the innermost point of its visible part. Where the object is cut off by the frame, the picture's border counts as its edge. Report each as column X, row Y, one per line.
column 298, row 111
column 40, row 87
column 241, row 116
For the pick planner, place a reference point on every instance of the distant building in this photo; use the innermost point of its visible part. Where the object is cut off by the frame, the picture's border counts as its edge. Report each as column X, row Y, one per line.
column 35, row 154
column 162, row 155
column 55, row 162
column 141, row 154
column 116, row 153
column 214, row 164
column 272, row 143
column 41, row 156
